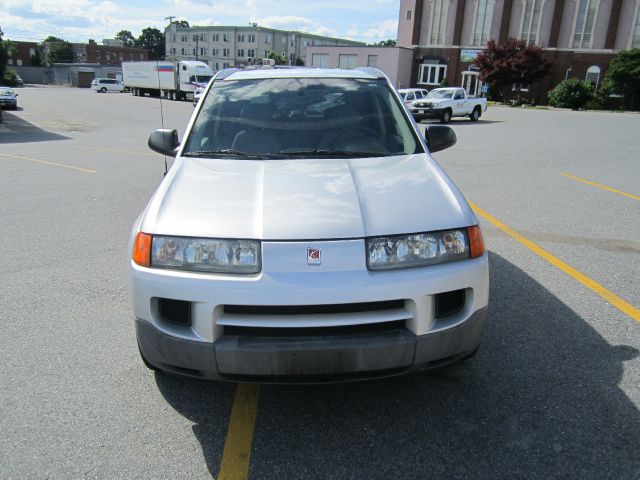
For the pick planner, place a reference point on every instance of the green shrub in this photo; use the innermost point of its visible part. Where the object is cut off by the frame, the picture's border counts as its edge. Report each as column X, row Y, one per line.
column 594, row 104
column 571, row 93
column 10, row 79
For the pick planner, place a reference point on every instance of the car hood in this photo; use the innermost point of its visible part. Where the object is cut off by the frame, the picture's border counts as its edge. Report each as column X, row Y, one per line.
column 305, row 199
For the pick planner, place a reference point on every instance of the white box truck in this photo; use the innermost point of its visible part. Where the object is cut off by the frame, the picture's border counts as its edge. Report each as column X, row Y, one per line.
column 175, row 81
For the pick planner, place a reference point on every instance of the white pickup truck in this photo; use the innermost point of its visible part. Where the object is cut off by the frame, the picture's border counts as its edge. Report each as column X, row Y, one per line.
column 445, row 103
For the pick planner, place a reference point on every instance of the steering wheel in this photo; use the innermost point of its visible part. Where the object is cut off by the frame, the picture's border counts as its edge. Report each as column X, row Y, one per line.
column 368, row 132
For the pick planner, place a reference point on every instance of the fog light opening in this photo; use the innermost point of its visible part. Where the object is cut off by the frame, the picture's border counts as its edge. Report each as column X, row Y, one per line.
column 176, row 312
column 449, row 303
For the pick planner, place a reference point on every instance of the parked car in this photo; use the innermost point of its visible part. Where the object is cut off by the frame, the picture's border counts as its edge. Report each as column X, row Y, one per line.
column 409, row 95
column 305, row 234
column 104, row 85
column 8, row 98
column 445, row 103
column 19, row 81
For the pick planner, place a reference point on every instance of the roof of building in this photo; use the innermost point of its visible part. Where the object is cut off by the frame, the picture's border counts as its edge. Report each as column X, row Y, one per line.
column 195, row 28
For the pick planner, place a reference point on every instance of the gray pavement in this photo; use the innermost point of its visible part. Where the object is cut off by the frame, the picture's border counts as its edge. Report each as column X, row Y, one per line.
column 553, row 393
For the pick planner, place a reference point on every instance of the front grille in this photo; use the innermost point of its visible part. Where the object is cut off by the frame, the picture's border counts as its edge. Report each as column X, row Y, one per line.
column 395, row 326
column 326, row 309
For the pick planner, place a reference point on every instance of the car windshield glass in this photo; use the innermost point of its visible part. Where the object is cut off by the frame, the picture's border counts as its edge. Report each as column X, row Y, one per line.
column 440, row 94
column 302, row 117
column 6, row 91
column 203, row 78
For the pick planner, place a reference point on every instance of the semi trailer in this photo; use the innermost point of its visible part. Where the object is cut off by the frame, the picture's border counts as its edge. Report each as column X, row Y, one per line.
column 174, row 81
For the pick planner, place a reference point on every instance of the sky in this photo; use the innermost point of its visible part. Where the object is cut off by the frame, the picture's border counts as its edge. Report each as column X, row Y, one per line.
column 80, row 20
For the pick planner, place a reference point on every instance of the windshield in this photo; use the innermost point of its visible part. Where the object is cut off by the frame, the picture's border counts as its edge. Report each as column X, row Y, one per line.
column 301, row 117
column 202, row 78
column 6, row 91
column 440, row 94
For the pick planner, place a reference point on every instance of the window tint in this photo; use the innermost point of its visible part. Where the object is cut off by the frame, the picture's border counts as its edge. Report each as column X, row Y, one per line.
column 296, row 116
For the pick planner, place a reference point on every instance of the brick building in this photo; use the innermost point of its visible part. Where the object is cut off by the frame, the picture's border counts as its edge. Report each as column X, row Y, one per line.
column 580, row 37
column 101, row 54
column 22, row 53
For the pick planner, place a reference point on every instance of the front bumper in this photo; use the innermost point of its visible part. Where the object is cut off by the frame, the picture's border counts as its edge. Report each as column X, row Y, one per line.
column 8, row 103
column 238, row 331
column 426, row 113
column 311, row 358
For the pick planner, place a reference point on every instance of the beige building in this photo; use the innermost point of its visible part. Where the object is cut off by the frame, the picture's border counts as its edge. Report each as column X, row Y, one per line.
column 395, row 62
column 227, row 46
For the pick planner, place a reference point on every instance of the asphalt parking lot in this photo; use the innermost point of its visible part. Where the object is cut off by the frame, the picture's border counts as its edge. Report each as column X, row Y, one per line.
column 553, row 393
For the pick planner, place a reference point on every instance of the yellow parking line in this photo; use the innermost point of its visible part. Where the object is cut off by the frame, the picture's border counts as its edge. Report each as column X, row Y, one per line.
column 622, row 305
column 237, row 447
column 52, row 164
column 599, row 185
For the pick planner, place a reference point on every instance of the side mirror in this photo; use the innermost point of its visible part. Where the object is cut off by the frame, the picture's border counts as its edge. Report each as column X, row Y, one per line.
column 164, row 141
column 16, row 94
column 440, row 137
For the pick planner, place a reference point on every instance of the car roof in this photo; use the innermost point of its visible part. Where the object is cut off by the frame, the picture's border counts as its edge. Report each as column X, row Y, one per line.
column 406, row 90
column 263, row 73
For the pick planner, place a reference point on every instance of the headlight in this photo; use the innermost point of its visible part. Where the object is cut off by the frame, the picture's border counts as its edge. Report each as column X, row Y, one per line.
column 206, row 254
column 417, row 250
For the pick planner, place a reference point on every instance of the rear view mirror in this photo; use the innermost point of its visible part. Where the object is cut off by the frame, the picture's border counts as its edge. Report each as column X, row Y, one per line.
column 440, row 137
column 164, row 141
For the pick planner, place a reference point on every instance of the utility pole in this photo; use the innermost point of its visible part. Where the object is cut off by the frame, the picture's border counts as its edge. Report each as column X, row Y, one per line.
column 170, row 18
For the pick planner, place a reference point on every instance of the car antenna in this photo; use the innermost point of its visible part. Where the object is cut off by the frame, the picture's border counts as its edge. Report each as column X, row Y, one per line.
column 161, row 111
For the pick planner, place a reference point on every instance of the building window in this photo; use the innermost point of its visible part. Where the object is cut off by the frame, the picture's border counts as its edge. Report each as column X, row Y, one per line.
column 241, row 38
column 320, row 60
column 203, row 37
column 241, row 52
column 215, row 52
column 593, row 75
column 215, row 37
column 482, row 22
column 432, row 74
column 372, row 60
column 440, row 9
column 585, row 16
column 225, row 65
column 267, row 39
column 203, row 51
column 226, row 52
column 266, row 54
column 252, row 38
column 182, row 51
column 635, row 39
column 183, row 38
column 251, row 53
column 347, row 61
column 408, row 17
column 225, row 37
column 531, row 20
column 217, row 66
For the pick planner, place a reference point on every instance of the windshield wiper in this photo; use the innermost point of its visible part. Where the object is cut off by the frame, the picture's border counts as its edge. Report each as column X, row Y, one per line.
column 334, row 153
column 231, row 152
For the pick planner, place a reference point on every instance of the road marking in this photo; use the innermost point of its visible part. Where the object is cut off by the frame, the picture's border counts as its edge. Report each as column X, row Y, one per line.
column 599, row 185
column 622, row 305
column 237, row 447
column 113, row 150
column 52, row 164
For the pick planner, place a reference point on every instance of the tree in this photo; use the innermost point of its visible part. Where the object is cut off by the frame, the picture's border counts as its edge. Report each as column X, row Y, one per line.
column 153, row 40
column 181, row 23
column 384, row 43
column 5, row 47
column 57, row 50
column 280, row 60
column 511, row 63
column 126, row 37
column 623, row 77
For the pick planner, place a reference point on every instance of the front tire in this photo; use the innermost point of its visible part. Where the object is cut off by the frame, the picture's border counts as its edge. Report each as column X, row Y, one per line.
column 446, row 116
column 103, row 90
column 475, row 115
